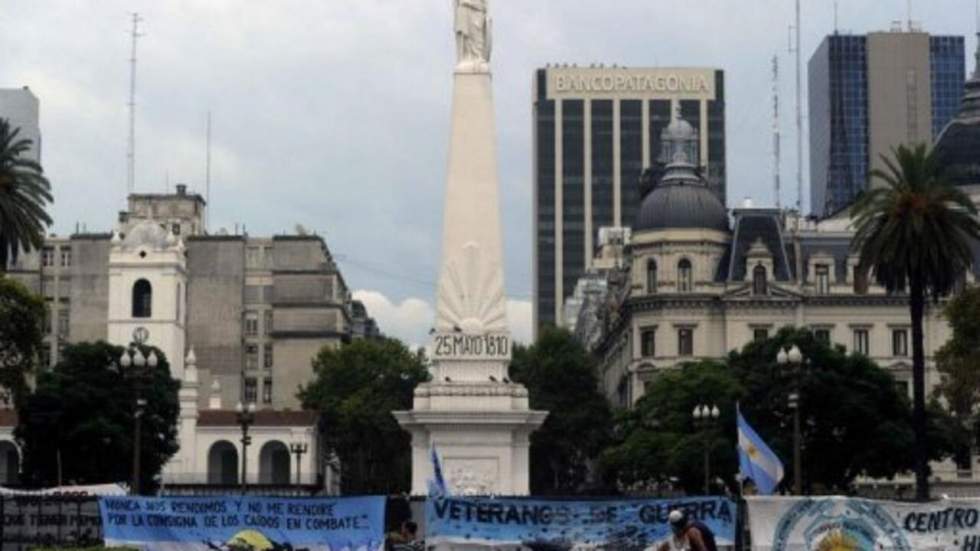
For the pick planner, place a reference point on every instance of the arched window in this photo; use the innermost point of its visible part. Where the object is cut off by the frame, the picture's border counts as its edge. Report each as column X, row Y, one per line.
column 223, row 463
column 142, row 299
column 9, row 463
column 685, row 279
column 274, row 463
column 759, row 280
column 651, row 276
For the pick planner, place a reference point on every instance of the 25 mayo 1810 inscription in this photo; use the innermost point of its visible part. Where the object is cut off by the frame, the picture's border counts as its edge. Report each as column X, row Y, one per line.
column 462, row 346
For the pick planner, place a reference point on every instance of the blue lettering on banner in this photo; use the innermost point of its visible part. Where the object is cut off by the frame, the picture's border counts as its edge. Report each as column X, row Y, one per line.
column 619, row 524
column 208, row 524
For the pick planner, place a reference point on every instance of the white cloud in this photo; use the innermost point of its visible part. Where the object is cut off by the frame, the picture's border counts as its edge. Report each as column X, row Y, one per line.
column 411, row 319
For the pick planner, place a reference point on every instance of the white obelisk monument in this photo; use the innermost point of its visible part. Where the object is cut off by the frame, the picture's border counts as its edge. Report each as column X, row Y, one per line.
column 478, row 420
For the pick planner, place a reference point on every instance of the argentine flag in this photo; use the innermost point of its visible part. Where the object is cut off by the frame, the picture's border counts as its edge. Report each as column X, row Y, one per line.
column 755, row 460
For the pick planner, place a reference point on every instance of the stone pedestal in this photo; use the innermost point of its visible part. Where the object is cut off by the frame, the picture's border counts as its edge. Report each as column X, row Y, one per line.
column 481, row 432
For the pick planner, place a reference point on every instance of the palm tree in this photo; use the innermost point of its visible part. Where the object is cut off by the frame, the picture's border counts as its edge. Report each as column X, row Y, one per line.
column 24, row 191
column 914, row 232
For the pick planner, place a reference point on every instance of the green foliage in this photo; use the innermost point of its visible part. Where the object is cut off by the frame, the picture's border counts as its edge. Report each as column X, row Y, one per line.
column 902, row 223
column 356, row 388
column 81, row 417
column 560, row 377
column 915, row 229
column 958, row 360
column 658, row 442
column 24, row 192
column 854, row 420
column 21, row 335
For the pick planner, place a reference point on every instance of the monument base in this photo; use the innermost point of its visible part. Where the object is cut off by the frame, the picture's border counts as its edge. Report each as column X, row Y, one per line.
column 480, row 431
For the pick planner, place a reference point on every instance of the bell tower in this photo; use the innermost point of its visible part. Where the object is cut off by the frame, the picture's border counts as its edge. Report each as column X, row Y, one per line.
column 148, row 291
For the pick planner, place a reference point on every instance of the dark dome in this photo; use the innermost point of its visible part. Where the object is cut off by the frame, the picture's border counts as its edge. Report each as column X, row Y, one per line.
column 681, row 205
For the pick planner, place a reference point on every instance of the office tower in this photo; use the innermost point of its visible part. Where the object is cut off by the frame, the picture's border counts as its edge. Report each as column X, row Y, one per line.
column 20, row 107
column 869, row 93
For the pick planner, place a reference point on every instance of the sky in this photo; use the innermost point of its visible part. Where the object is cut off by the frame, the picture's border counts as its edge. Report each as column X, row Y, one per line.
column 334, row 115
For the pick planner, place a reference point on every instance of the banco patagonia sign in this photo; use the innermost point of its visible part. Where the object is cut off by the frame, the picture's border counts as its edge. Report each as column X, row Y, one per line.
column 783, row 524
column 462, row 346
column 625, row 83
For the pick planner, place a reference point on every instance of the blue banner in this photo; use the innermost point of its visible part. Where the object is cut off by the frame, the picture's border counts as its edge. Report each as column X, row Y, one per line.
column 244, row 523
column 624, row 525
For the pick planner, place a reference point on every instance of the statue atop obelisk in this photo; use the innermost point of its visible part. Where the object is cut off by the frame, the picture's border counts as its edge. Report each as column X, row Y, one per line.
column 472, row 26
column 479, row 421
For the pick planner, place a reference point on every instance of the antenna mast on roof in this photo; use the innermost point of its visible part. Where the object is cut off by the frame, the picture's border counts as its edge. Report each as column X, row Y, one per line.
column 775, row 128
column 131, row 154
column 207, row 176
column 799, row 116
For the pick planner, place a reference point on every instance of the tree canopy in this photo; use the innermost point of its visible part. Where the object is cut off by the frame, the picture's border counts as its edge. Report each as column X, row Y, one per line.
column 658, row 445
column 560, row 378
column 855, row 422
column 24, row 193
column 356, row 388
column 958, row 362
column 80, row 419
column 22, row 314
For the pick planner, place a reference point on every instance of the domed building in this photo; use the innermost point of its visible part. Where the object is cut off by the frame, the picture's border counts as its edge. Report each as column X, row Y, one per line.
column 698, row 281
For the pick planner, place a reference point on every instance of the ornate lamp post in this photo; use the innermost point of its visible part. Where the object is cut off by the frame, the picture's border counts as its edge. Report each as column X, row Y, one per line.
column 705, row 418
column 133, row 365
column 246, row 416
column 794, row 360
column 299, row 448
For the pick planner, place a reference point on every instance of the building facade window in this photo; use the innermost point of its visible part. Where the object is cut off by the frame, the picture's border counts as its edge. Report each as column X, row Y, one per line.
column 251, row 356
column 47, row 256
column 760, row 334
column 63, row 323
column 759, row 284
column 860, row 281
column 175, row 229
column 142, row 299
column 65, row 256
column 900, row 342
column 822, row 276
column 862, row 343
column 685, row 279
column 267, row 355
column 822, row 335
column 250, row 392
column 251, row 324
column 651, row 276
column 268, row 322
column 648, row 342
column 685, row 341
column 44, row 355
column 267, row 391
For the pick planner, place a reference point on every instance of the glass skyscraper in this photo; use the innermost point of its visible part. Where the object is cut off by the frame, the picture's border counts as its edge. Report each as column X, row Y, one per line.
column 869, row 93
column 595, row 130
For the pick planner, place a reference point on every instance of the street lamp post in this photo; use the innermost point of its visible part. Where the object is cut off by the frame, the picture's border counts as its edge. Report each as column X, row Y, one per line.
column 794, row 360
column 705, row 418
column 246, row 416
column 133, row 363
column 298, row 448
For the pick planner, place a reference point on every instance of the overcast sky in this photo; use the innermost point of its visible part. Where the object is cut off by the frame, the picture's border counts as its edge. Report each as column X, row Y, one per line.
column 334, row 114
